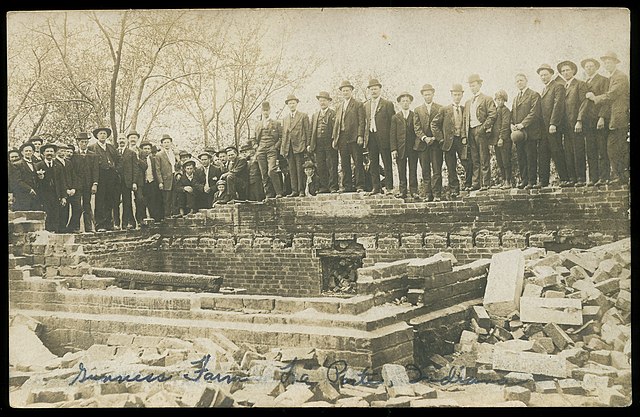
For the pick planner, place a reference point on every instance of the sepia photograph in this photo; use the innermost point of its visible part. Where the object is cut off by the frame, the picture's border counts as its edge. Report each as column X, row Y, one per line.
column 319, row 207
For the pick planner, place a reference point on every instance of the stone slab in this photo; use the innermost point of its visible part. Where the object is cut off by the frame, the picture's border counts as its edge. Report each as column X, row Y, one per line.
column 551, row 310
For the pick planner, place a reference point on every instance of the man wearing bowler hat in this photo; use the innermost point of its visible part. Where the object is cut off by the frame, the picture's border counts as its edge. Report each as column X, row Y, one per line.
column 426, row 148
column 348, row 138
column 575, row 105
column 378, row 114
column 526, row 119
column 447, row 128
column 402, row 139
column 107, row 190
column 166, row 168
column 594, row 125
column 295, row 139
column 268, row 135
column 617, row 99
column 479, row 114
column 322, row 123
column 550, row 146
column 46, row 186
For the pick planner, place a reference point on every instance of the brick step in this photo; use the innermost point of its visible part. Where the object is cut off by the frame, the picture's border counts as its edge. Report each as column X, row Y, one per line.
column 130, row 278
column 18, row 260
column 390, row 343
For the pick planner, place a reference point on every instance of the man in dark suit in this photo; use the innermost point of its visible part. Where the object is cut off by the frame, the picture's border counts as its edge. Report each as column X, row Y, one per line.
column 108, row 184
column 268, row 135
column 348, row 137
column 166, row 167
column 594, row 125
column 426, row 148
column 295, row 139
column 479, row 116
column 86, row 168
column 378, row 114
column 237, row 176
column 575, row 105
column 526, row 117
column 25, row 181
column 550, row 146
column 188, row 189
column 37, row 142
column 130, row 180
column 312, row 186
column 402, row 139
column 46, row 187
column 447, row 128
column 322, row 123
column 207, row 175
column 255, row 191
column 151, row 198
column 617, row 99
column 64, row 174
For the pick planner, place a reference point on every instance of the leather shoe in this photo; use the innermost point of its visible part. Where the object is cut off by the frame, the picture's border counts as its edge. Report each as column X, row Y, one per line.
column 436, row 199
column 294, row 194
column 528, row 187
column 484, row 188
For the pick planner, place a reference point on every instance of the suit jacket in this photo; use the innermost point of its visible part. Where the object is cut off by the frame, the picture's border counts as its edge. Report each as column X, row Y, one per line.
column 295, row 133
column 46, row 187
column 422, row 124
column 617, row 98
column 193, row 182
column 240, row 168
column 598, row 85
column 139, row 171
column 223, row 198
column 443, row 126
column 354, row 121
column 403, row 133
column 23, row 179
column 108, row 158
column 485, row 112
column 526, row 110
column 163, row 169
column 154, row 169
column 130, row 168
column 575, row 103
column 383, row 114
column 331, row 119
column 86, row 168
column 502, row 126
column 552, row 105
column 274, row 128
column 214, row 176
column 314, row 185
column 64, row 177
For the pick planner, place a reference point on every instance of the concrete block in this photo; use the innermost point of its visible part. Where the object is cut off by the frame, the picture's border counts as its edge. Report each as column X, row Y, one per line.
column 623, row 302
column 425, row 391
column 613, row 398
column 600, row 275
column 619, row 360
column 553, row 294
column 551, row 310
column 583, row 260
column 543, row 345
column 559, row 336
column 532, row 290
column 602, row 357
column 530, row 362
column 611, row 267
column 438, row 360
column 120, row 339
column 248, row 359
column 481, row 316
column 546, row 276
column 504, row 283
column 521, row 378
column 516, row 345
column 592, row 382
column 546, row 387
column 324, row 391
column 396, row 380
column 295, row 395
column 533, row 253
column 161, row 399
column 576, row 356
column 198, row 395
column 488, row 375
column 352, row 402
column 608, row 286
column 517, row 393
column 428, row 266
column 570, row 386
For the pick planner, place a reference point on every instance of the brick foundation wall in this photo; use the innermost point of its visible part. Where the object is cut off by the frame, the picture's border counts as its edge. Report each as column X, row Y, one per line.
column 132, row 249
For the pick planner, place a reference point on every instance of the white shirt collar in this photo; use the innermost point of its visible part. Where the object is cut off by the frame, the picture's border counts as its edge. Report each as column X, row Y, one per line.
column 405, row 113
column 103, row 145
column 61, row 160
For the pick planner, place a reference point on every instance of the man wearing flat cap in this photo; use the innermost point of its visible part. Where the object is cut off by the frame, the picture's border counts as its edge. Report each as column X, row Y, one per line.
column 295, row 140
column 187, row 189
column 378, row 114
column 46, row 187
column 575, row 105
column 550, row 146
column 617, row 98
column 348, row 138
column 479, row 116
column 322, row 123
column 447, row 126
column 267, row 135
column 594, row 125
column 107, row 192
column 167, row 166
column 402, row 139
column 526, row 117
column 426, row 148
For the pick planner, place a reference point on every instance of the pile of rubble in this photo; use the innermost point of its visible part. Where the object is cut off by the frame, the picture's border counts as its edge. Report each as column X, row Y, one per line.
column 553, row 323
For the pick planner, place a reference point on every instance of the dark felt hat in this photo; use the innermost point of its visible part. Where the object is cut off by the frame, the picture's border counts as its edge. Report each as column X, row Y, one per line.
column 457, row 88
column 291, row 97
column 133, row 133
column 569, row 63
column 24, row 145
column 98, row 130
column 266, row 106
column 246, row 147
column 473, row 78
column 229, row 148
column 205, row 152
column 427, row 87
column 45, row 146
column 405, row 94
column 146, row 143
column 189, row 162
column 545, row 67
column 374, row 82
column 166, row 136
column 83, row 136
column 308, row 164
column 344, row 84
column 324, row 94
column 518, row 136
column 184, row 153
column 34, row 138
column 610, row 55
column 221, row 182
column 595, row 62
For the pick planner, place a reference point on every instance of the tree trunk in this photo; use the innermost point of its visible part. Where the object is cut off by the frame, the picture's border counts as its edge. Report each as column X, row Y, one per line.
column 114, row 80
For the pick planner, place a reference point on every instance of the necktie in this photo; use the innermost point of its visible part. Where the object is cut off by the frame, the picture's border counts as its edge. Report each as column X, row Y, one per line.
column 206, row 176
column 344, row 110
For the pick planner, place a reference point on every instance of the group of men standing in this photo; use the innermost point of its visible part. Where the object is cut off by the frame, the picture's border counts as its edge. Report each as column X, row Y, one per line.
column 573, row 122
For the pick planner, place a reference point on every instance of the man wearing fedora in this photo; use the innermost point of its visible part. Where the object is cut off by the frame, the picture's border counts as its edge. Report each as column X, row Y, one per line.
column 268, row 135
column 152, row 197
column 167, row 166
column 526, row 117
column 131, row 180
column 25, row 183
column 108, row 185
column 616, row 98
column 479, row 116
column 237, row 176
column 65, row 181
column 575, row 105
column 188, row 189
column 594, row 124
column 426, row 148
column 295, row 139
column 322, row 123
column 46, row 187
column 447, row 128
column 255, row 190
column 550, row 146
column 86, row 169
column 37, row 142
column 402, row 139
column 348, row 138
column 378, row 114
column 207, row 175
